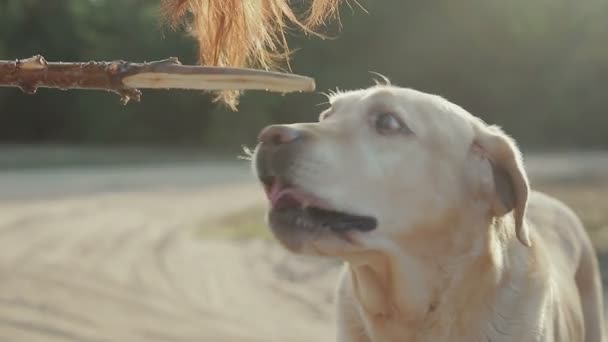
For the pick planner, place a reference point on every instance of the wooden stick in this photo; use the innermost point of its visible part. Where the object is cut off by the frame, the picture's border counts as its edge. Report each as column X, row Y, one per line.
column 124, row 78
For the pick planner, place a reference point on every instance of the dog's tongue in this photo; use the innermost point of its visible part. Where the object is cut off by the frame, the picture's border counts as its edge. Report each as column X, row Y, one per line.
column 274, row 192
column 278, row 193
column 282, row 196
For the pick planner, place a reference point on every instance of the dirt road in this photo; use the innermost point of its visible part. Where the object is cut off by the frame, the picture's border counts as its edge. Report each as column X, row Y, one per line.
column 112, row 255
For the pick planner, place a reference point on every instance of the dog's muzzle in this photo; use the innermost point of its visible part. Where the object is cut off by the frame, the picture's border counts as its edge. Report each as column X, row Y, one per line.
column 293, row 209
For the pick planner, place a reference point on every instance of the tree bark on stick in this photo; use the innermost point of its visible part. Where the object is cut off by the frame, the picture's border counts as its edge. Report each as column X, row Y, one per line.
column 124, row 78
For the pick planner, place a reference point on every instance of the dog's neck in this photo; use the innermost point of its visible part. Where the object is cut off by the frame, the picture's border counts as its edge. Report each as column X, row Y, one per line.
column 430, row 275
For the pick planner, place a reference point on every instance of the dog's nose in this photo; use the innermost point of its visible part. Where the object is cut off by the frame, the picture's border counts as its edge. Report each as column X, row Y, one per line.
column 279, row 134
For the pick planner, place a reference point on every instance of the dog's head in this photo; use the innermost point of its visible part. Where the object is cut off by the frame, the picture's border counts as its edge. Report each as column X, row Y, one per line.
column 383, row 163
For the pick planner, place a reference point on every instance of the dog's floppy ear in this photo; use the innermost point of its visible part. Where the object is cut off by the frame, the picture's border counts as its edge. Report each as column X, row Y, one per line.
column 506, row 183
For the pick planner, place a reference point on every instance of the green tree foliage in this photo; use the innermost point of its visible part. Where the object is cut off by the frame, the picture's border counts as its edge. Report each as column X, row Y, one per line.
column 537, row 68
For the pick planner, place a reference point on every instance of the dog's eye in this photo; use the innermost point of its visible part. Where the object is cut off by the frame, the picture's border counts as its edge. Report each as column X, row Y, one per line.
column 387, row 123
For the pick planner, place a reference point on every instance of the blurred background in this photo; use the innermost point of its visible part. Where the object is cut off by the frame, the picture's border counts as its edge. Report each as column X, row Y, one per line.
column 538, row 68
column 138, row 222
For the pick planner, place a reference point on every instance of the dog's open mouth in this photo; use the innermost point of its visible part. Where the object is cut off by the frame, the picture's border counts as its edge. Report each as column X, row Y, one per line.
column 290, row 206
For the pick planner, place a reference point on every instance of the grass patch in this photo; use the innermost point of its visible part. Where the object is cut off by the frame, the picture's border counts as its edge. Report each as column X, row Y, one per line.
column 241, row 225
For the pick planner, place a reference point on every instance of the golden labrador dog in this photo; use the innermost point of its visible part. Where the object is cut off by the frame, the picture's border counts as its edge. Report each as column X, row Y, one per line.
column 431, row 211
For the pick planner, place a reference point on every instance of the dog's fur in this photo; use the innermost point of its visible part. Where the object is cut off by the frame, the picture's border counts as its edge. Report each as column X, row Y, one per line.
column 463, row 250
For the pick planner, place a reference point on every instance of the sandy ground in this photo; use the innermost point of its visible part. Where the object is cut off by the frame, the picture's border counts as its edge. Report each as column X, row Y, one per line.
column 112, row 254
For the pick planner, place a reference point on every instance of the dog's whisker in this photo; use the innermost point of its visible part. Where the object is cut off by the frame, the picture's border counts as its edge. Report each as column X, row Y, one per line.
column 384, row 82
column 248, row 153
